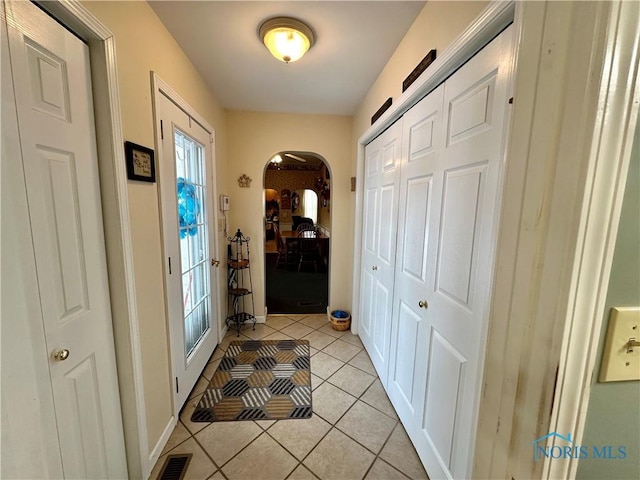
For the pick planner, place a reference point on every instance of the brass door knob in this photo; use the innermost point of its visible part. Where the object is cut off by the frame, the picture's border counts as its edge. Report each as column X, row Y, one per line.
column 423, row 304
column 61, row 355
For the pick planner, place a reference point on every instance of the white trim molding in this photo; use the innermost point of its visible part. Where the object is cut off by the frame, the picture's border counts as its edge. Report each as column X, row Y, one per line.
column 558, row 168
column 609, row 156
column 155, row 453
column 115, row 208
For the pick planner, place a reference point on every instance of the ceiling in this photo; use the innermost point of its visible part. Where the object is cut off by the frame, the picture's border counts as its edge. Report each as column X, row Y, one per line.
column 354, row 40
column 294, row 161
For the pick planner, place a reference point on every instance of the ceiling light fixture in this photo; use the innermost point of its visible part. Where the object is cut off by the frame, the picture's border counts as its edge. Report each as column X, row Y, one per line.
column 288, row 39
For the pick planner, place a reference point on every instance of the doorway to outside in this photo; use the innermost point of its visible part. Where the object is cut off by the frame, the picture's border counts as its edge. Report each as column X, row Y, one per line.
column 187, row 169
column 297, row 206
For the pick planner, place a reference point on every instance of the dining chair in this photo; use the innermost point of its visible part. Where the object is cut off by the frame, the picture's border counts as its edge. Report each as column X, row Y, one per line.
column 287, row 251
column 305, row 227
column 309, row 251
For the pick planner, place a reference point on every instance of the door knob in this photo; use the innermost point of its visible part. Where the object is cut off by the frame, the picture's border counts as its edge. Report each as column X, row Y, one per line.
column 423, row 304
column 61, row 355
column 214, row 262
column 374, row 268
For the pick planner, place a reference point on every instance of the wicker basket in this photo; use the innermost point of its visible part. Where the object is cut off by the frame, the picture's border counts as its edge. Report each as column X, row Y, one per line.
column 239, row 263
column 340, row 320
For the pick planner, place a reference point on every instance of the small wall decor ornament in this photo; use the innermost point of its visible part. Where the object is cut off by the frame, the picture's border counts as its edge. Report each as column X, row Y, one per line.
column 244, row 181
column 140, row 164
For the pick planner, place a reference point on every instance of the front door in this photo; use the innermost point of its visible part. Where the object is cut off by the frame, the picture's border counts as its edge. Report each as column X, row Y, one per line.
column 65, row 241
column 189, row 238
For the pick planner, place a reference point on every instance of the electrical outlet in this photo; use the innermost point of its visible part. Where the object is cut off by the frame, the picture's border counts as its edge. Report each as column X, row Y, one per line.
column 621, row 357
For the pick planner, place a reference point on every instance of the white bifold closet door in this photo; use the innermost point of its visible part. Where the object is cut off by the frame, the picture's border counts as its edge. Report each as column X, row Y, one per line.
column 448, row 193
column 379, row 248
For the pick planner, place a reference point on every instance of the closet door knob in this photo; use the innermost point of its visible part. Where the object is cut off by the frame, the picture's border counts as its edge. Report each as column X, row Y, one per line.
column 61, row 355
column 423, row 304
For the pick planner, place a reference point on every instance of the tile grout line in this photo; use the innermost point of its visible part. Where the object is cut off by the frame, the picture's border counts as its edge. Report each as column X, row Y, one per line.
column 332, row 425
column 262, row 432
column 219, row 468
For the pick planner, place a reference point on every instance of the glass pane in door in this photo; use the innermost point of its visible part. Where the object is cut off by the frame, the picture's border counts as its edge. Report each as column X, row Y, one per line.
column 194, row 238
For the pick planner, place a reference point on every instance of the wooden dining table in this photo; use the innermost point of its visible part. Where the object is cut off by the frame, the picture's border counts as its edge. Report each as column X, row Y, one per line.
column 323, row 241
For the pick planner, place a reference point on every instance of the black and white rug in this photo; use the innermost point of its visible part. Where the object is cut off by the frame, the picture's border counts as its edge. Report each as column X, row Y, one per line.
column 259, row 380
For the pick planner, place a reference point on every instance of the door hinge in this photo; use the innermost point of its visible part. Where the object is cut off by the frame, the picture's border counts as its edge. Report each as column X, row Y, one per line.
column 211, row 139
column 177, row 389
column 169, row 265
column 161, row 131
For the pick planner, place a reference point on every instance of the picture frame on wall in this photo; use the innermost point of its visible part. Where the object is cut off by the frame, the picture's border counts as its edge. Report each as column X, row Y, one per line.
column 140, row 162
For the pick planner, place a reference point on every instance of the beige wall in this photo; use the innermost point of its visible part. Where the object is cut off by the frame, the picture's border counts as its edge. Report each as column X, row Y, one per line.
column 144, row 45
column 253, row 138
column 437, row 25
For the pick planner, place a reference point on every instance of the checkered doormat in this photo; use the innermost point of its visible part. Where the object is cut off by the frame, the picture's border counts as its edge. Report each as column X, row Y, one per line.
column 259, row 380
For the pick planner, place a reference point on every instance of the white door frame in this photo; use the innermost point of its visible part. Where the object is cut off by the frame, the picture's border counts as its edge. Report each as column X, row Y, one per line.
column 592, row 147
column 162, row 88
column 609, row 157
column 115, row 213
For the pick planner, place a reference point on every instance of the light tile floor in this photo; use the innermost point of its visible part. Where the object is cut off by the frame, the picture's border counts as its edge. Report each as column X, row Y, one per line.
column 354, row 432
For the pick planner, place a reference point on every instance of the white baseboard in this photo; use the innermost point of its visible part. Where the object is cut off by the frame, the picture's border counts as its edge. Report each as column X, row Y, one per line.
column 223, row 332
column 162, row 441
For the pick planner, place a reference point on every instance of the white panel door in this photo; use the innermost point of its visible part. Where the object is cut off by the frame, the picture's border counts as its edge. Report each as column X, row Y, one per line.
column 422, row 145
column 382, row 175
column 450, row 191
column 51, row 77
column 189, row 242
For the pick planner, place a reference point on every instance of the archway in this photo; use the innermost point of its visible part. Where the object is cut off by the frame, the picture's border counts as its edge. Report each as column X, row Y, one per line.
column 297, row 203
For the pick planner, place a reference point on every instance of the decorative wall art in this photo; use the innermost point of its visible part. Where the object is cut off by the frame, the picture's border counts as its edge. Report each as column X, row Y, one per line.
column 244, row 181
column 421, row 67
column 383, row 108
column 140, row 162
column 285, row 199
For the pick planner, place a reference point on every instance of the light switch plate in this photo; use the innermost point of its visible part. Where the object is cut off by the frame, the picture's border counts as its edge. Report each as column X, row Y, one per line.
column 618, row 363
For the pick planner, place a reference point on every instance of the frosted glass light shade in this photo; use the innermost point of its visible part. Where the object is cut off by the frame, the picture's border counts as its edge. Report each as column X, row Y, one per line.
column 286, row 38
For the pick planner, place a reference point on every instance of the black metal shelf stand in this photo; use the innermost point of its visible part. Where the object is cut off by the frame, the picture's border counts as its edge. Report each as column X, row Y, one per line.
column 240, row 305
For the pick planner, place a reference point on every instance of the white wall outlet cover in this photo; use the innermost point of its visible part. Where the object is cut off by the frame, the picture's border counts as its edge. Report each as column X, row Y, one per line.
column 621, row 360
